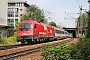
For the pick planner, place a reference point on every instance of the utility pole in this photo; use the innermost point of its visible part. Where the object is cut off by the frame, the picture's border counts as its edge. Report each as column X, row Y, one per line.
column 81, row 22
column 59, row 25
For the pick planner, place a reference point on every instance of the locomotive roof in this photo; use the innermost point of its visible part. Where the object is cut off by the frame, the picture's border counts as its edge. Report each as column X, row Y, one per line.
column 27, row 21
column 33, row 21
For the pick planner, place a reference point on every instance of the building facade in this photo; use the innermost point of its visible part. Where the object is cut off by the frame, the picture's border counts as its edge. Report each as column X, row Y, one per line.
column 3, row 18
column 3, row 12
column 16, row 8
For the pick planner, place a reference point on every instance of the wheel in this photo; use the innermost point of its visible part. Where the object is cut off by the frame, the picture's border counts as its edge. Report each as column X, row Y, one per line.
column 22, row 42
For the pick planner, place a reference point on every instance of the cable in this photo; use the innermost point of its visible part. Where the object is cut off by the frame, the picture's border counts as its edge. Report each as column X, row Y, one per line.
column 78, row 3
column 46, row 7
column 54, row 14
column 55, row 4
column 35, row 3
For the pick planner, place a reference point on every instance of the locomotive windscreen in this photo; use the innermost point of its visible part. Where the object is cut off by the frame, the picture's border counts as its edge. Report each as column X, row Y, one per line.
column 25, row 26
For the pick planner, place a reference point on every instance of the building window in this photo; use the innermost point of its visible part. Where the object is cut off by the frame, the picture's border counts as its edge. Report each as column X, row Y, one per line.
column 16, row 4
column 16, row 21
column 20, row 9
column 8, row 4
column 22, row 4
column 11, row 4
column 16, row 12
column 19, row 4
column 20, row 14
column 10, row 22
column 10, row 12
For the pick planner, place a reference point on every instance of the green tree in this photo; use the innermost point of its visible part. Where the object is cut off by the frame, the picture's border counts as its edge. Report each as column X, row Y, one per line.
column 88, row 28
column 52, row 24
column 24, row 17
column 11, row 32
column 34, row 14
column 83, row 20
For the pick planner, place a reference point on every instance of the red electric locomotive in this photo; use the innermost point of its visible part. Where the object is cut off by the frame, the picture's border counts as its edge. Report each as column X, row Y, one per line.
column 31, row 31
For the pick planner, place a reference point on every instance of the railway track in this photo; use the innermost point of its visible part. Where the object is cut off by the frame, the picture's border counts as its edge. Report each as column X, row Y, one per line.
column 10, row 47
column 17, row 54
column 24, row 50
column 15, row 46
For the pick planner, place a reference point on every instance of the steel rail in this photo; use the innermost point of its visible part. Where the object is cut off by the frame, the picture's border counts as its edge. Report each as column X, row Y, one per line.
column 25, row 52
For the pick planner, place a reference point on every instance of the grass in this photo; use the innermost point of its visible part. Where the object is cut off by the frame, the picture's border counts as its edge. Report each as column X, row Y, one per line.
column 8, row 41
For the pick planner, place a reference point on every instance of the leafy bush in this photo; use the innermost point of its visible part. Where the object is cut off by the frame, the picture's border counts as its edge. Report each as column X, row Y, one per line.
column 2, row 41
column 8, row 41
column 11, row 40
column 56, row 53
column 80, row 51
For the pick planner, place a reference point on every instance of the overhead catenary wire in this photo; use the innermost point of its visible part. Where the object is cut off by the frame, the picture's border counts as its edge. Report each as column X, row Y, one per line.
column 53, row 6
column 57, row 7
column 45, row 7
column 67, row 13
column 49, row 9
column 78, row 3
column 38, row 3
column 55, row 13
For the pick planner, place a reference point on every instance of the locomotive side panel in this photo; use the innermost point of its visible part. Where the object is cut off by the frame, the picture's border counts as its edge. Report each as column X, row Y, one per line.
column 50, row 31
column 39, row 30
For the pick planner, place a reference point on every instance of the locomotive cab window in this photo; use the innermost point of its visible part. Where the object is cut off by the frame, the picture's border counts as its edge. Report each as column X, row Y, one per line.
column 25, row 26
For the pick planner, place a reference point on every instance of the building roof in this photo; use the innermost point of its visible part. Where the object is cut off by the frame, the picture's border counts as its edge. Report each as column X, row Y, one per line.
column 6, row 27
column 15, row 1
column 19, row 1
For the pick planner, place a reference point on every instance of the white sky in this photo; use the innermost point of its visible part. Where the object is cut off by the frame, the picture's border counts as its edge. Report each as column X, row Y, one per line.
column 55, row 9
